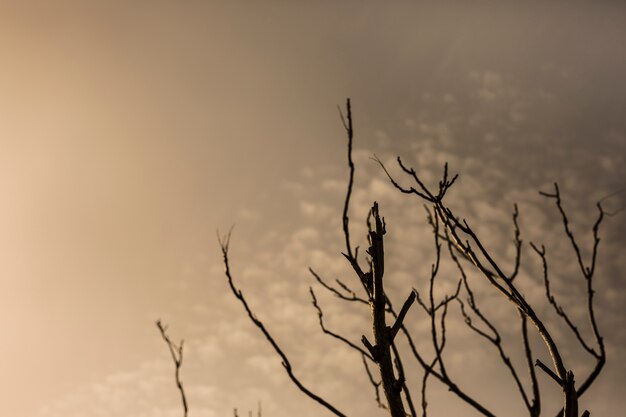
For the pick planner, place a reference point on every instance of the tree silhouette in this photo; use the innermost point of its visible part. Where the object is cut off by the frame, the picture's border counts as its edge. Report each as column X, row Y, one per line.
column 455, row 238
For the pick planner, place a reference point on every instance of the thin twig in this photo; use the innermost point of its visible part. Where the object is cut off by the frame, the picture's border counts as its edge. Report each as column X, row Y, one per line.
column 375, row 384
column 336, row 292
column 177, row 357
column 320, row 315
column 350, row 133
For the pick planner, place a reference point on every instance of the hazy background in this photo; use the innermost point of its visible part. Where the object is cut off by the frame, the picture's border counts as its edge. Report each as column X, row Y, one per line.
column 131, row 130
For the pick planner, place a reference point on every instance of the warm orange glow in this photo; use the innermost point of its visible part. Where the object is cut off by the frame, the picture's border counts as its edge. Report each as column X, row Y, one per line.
column 129, row 131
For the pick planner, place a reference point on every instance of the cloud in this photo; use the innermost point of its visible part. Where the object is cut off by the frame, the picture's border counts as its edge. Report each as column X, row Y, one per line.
column 490, row 84
column 334, row 185
column 248, row 214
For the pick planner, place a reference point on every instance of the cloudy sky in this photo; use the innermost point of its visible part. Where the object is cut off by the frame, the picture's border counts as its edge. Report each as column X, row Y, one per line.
column 131, row 130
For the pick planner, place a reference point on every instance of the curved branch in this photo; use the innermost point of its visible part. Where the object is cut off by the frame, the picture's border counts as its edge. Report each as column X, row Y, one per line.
column 224, row 243
column 320, row 315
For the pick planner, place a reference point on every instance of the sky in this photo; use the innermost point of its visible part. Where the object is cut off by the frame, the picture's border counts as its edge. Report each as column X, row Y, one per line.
column 131, row 130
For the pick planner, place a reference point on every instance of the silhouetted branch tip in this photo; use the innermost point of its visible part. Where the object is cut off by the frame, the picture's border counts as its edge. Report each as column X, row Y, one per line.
column 177, row 357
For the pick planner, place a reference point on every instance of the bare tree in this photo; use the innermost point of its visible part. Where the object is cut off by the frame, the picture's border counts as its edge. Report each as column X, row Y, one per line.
column 467, row 251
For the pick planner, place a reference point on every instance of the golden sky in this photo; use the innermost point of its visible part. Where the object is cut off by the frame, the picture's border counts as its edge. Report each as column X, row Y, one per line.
column 131, row 130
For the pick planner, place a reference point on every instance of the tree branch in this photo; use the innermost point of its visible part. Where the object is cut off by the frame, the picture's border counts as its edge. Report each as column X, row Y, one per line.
column 224, row 243
column 177, row 357
column 320, row 315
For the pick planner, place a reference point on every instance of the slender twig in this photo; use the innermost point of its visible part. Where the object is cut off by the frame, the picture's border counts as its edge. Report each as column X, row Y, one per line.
column 518, row 243
column 320, row 315
column 535, row 407
column 352, row 295
column 608, row 196
column 424, row 386
column 350, row 132
column 375, row 384
column 177, row 357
